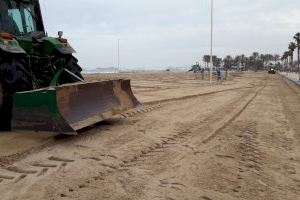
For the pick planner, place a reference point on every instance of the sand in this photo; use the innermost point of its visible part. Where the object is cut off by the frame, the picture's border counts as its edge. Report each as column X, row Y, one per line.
column 191, row 140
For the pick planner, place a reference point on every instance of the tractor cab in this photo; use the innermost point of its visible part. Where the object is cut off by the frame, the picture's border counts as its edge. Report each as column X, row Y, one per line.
column 20, row 17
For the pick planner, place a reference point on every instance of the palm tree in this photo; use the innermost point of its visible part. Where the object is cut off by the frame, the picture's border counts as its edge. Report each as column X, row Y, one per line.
column 268, row 59
column 292, row 47
column 276, row 59
column 243, row 61
column 285, row 59
column 263, row 57
column 255, row 55
column 236, row 61
column 256, row 62
column 297, row 39
column 206, row 59
column 247, row 60
column 228, row 61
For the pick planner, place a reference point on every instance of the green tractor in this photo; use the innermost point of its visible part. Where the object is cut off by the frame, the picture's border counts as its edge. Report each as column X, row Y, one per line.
column 41, row 85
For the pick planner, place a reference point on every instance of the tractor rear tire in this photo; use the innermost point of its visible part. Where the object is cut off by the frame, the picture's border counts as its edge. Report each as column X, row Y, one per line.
column 13, row 74
column 5, row 110
column 72, row 65
column 13, row 78
column 1, row 95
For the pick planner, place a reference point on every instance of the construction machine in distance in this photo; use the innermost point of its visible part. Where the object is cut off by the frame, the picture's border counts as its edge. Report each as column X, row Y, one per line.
column 41, row 85
column 272, row 70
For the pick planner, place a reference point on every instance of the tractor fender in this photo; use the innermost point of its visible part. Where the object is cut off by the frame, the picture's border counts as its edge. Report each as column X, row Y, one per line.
column 11, row 47
column 65, row 50
column 51, row 45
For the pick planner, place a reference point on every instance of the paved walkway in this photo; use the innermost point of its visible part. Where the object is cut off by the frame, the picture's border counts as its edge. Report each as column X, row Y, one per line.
column 292, row 76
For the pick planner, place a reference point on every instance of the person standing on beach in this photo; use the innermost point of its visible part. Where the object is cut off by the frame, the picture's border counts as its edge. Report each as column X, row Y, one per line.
column 202, row 73
column 219, row 75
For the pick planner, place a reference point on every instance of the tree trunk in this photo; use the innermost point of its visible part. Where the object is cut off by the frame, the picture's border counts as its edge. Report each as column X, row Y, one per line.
column 298, row 61
column 291, row 63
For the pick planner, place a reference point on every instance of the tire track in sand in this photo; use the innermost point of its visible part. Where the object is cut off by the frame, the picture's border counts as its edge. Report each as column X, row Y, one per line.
column 228, row 121
column 148, row 107
column 180, row 135
column 158, row 147
column 16, row 174
column 152, row 105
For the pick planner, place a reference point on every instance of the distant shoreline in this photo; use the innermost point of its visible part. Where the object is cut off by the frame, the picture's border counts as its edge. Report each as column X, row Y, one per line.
column 112, row 70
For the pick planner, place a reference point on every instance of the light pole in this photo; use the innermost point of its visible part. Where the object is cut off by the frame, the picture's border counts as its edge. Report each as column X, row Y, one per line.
column 211, row 41
column 119, row 55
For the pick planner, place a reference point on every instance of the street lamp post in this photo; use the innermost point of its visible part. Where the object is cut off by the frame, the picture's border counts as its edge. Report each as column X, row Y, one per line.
column 119, row 55
column 211, row 41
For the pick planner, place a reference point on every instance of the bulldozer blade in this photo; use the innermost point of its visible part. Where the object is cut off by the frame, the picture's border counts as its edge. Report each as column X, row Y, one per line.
column 69, row 108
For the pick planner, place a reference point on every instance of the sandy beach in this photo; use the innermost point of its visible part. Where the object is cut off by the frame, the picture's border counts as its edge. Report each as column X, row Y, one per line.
column 234, row 140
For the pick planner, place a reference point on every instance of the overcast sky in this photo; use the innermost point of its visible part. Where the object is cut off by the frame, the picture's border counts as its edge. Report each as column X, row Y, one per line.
column 162, row 33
